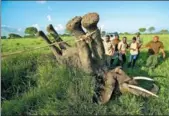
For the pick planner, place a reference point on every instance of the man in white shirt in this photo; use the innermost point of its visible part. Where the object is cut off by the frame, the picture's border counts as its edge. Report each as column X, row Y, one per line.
column 108, row 50
column 122, row 47
column 133, row 52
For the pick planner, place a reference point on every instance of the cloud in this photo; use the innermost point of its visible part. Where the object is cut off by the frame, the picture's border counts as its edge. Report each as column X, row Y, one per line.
column 59, row 27
column 37, row 26
column 6, row 30
column 102, row 27
column 19, row 29
column 41, row 1
column 6, row 26
column 49, row 8
column 49, row 18
column 3, row 25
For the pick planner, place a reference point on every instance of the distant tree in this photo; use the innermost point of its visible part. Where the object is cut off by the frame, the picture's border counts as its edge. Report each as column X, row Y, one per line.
column 31, row 31
column 3, row 37
column 151, row 29
column 103, row 33
column 138, row 33
column 121, row 33
column 126, row 33
column 13, row 36
column 142, row 29
column 164, row 31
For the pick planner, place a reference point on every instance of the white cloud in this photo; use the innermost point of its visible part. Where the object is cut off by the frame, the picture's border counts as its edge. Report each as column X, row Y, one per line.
column 59, row 27
column 5, row 26
column 37, row 26
column 19, row 29
column 102, row 27
column 41, row 1
column 49, row 18
column 49, row 8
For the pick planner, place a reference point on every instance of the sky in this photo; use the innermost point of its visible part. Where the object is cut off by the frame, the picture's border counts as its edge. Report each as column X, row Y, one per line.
column 122, row 16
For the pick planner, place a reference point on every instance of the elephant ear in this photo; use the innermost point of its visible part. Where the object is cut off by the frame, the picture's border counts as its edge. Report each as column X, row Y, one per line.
column 139, row 91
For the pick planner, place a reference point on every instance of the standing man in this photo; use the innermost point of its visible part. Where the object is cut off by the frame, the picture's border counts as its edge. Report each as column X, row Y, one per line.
column 154, row 47
column 115, row 43
column 138, row 40
column 133, row 53
column 108, row 50
column 122, row 47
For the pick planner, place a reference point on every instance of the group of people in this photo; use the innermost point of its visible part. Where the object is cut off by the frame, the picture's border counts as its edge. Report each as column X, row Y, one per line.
column 116, row 51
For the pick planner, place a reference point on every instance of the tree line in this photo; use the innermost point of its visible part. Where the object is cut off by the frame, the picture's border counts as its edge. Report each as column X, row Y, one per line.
column 150, row 30
column 30, row 32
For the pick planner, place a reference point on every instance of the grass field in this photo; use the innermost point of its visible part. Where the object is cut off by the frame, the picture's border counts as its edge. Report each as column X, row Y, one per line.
column 33, row 83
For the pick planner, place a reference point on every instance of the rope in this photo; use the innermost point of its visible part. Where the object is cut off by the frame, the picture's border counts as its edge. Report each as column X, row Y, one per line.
column 23, row 51
column 18, row 52
column 85, row 37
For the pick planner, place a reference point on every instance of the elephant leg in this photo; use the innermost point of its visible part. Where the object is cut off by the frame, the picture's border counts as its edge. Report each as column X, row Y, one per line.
column 56, row 51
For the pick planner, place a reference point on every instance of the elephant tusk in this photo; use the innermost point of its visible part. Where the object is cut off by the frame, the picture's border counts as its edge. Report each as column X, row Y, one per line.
column 142, row 89
column 142, row 78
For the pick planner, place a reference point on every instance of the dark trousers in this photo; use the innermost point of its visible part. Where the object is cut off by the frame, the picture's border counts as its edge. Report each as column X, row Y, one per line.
column 132, row 60
column 122, row 59
column 115, row 59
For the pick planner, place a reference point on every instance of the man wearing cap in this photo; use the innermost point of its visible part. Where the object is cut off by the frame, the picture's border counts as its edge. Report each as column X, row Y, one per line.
column 154, row 47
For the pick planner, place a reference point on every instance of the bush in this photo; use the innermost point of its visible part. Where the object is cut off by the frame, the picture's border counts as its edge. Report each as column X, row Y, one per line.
column 3, row 37
column 13, row 36
column 126, row 33
column 31, row 31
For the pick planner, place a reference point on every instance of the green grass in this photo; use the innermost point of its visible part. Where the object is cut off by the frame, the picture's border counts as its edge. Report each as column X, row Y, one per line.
column 33, row 83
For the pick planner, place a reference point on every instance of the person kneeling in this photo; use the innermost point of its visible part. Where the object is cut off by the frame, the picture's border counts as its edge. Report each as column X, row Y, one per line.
column 154, row 47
